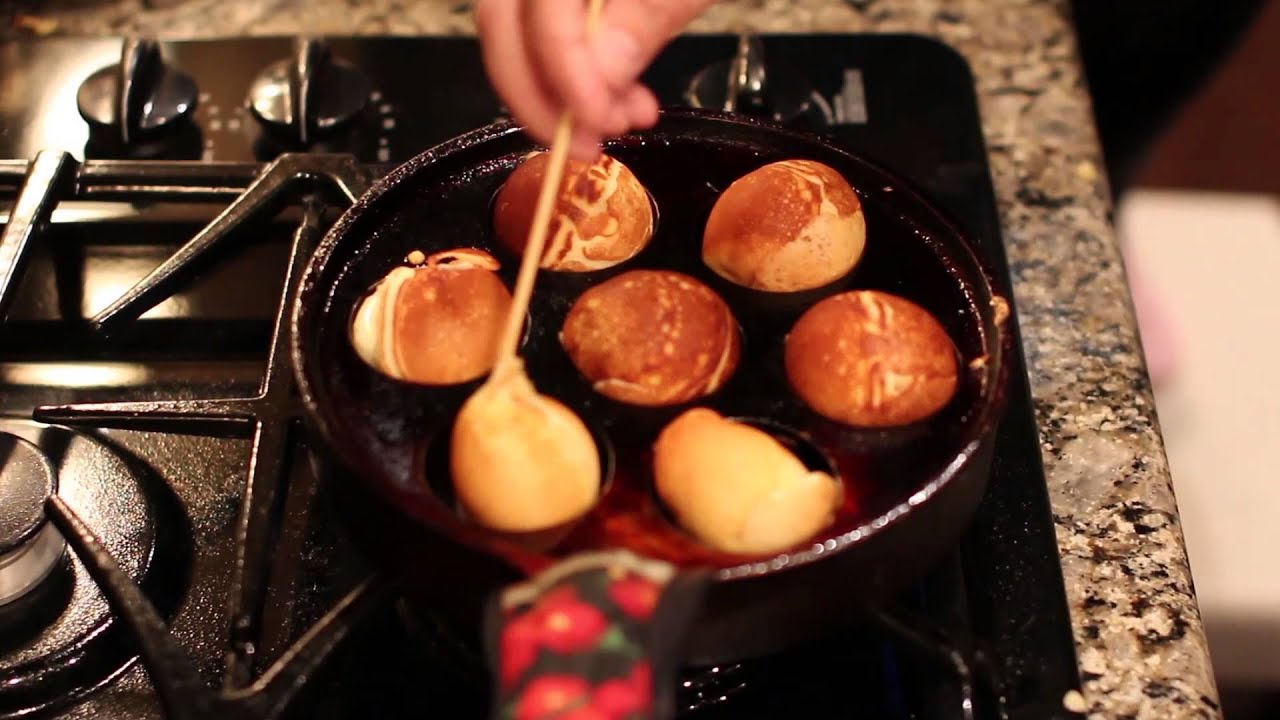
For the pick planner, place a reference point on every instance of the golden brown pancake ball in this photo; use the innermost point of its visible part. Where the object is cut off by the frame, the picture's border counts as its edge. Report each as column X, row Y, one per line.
column 602, row 214
column 737, row 488
column 788, row 226
column 871, row 359
column 652, row 337
column 436, row 323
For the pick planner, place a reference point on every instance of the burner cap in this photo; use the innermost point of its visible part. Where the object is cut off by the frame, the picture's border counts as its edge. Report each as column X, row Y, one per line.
column 29, row 546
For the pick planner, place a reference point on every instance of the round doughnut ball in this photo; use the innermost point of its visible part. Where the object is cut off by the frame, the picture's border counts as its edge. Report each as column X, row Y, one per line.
column 652, row 337
column 521, row 461
column 602, row 214
column 436, row 323
column 871, row 359
column 736, row 488
column 788, row 226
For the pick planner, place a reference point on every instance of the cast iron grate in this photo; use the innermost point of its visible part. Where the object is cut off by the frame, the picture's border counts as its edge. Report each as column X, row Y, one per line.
column 271, row 419
column 270, row 416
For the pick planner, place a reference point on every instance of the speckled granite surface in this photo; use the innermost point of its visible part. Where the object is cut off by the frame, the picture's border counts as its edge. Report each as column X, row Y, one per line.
column 1138, row 630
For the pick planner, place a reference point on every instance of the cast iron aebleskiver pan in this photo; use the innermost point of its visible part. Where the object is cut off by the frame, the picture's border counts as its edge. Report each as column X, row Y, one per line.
column 910, row 491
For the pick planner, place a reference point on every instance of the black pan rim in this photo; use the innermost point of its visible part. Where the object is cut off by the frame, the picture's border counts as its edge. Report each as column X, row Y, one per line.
column 989, row 409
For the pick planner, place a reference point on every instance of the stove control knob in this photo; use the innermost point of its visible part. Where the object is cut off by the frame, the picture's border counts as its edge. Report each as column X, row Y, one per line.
column 138, row 96
column 742, row 85
column 308, row 94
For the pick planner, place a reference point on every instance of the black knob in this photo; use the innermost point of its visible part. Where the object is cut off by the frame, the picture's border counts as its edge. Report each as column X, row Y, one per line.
column 743, row 85
column 308, row 94
column 138, row 96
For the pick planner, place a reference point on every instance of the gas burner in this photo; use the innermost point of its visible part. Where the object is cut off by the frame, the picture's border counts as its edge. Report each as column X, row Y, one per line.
column 743, row 85
column 312, row 93
column 60, row 639
column 29, row 546
column 130, row 105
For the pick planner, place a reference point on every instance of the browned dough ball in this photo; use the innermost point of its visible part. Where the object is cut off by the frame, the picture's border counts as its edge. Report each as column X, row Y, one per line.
column 522, row 462
column 435, row 324
column 652, row 337
column 736, row 488
column 788, row 226
column 602, row 215
column 871, row 359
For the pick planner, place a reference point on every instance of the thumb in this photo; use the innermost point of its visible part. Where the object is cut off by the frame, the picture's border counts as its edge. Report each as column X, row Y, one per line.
column 633, row 32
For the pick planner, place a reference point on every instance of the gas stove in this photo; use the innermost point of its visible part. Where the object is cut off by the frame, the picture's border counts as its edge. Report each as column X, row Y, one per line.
column 165, row 547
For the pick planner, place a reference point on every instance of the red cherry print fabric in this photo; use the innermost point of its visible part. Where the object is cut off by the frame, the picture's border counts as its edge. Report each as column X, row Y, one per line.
column 577, row 645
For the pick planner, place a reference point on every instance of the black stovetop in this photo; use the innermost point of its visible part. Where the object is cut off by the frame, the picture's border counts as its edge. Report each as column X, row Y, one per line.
column 211, row 509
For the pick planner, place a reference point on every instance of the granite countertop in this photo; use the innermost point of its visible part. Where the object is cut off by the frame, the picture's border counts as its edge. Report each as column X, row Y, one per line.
column 1138, row 630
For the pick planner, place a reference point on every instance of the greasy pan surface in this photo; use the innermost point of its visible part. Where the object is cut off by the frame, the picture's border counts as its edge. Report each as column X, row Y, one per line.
column 392, row 437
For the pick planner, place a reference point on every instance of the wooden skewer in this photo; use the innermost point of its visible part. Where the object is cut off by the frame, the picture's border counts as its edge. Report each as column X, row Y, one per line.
column 532, row 258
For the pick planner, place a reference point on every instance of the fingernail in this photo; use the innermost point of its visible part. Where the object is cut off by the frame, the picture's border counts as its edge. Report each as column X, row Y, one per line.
column 618, row 56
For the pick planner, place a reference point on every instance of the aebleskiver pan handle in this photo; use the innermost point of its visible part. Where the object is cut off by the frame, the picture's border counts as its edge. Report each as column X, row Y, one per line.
column 598, row 636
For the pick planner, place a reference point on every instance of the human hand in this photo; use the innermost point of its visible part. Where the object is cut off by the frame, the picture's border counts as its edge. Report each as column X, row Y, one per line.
column 542, row 63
